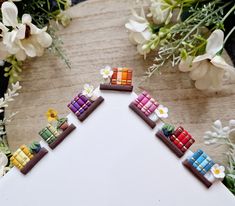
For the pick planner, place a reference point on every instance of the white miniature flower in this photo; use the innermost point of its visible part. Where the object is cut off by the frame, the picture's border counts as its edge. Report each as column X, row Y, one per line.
column 3, row 163
column 140, row 32
column 161, row 11
column 107, row 72
column 25, row 39
column 209, row 70
column 161, row 111
column 218, row 171
column 88, row 90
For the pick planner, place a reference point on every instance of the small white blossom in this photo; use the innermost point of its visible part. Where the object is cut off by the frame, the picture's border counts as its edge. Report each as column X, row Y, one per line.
column 218, row 171
column 88, row 90
column 161, row 111
column 209, row 70
column 161, row 11
column 107, row 72
column 139, row 32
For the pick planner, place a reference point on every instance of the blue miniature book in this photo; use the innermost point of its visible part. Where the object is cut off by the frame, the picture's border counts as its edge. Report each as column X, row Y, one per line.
column 193, row 158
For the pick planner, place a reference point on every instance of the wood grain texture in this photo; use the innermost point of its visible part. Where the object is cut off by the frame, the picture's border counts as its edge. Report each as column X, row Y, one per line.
column 95, row 38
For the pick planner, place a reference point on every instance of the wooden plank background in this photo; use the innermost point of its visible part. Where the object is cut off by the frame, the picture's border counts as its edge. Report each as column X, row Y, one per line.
column 95, row 38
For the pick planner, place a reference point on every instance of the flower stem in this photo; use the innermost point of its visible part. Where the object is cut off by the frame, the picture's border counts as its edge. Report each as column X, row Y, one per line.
column 229, row 12
column 229, row 34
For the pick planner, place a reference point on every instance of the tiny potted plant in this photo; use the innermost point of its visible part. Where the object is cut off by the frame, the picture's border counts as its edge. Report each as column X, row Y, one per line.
column 61, row 123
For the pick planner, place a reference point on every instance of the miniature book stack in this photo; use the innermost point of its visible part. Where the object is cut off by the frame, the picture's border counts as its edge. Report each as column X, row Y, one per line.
column 200, row 164
column 121, row 80
column 144, row 105
column 25, row 158
column 54, row 136
column 178, row 141
column 82, row 106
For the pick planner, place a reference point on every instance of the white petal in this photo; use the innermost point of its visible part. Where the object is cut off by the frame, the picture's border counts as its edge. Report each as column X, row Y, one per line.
column 136, row 26
column 202, row 57
column 218, row 124
column 216, row 76
column 232, row 123
column 21, row 31
column 186, row 65
column 28, row 47
column 132, row 38
column 218, row 61
column 3, row 159
column 3, row 52
column 203, row 83
column 3, row 28
column 9, row 14
column 26, row 19
column 20, row 55
column 215, row 42
column 44, row 39
column 199, row 71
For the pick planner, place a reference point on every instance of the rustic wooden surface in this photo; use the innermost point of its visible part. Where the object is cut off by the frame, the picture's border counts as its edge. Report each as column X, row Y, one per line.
column 95, row 38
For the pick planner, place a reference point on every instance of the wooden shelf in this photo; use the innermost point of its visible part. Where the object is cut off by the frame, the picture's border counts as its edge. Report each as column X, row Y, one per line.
column 151, row 123
column 36, row 158
column 62, row 136
column 123, row 88
column 169, row 144
column 196, row 173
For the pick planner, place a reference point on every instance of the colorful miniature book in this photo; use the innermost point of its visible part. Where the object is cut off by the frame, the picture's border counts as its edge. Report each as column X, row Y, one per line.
column 179, row 141
column 119, row 79
column 200, row 165
column 55, row 134
column 25, row 158
column 148, row 109
column 85, row 103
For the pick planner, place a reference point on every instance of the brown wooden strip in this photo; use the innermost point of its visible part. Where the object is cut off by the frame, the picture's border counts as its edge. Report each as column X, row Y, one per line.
column 169, row 144
column 62, row 136
column 123, row 88
column 91, row 108
column 36, row 158
column 197, row 174
column 151, row 123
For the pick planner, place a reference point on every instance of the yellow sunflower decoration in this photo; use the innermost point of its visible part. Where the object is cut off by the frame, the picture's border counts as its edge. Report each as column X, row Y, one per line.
column 52, row 115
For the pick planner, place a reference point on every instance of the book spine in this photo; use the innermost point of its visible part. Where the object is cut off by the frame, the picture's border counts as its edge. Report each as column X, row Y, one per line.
column 176, row 133
column 21, row 157
column 129, row 77
column 139, row 99
column 47, row 135
column 124, row 76
column 25, row 149
column 114, row 76
column 203, row 164
column 199, row 160
column 178, row 139
column 16, row 163
column 193, row 158
column 207, row 167
column 53, row 130
column 187, row 145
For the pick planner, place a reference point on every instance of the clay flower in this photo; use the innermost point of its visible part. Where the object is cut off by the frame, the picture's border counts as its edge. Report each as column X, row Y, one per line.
column 88, row 90
column 106, row 72
column 52, row 115
column 162, row 112
column 209, row 69
column 161, row 11
column 25, row 39
column 218, row 171
column 140, row 32
column 3, row 164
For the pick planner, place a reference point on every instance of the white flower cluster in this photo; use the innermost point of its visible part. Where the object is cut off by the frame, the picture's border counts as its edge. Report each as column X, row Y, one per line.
column 139, row 26
column 22, row 39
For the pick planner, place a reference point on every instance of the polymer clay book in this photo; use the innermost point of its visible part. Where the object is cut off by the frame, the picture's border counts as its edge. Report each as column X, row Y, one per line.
column 26, row 157
column 179, row 140
column 119, row 79
column 148, row 109
column 85, row 102
column 54, row 134
column 202, row 167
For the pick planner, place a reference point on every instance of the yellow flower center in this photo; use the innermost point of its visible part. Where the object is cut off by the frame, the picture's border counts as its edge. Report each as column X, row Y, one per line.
column 106, row 71
column 161, row 111
column 217, row 171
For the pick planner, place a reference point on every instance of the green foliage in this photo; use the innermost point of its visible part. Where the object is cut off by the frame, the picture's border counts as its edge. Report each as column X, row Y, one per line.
column 188, row 37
